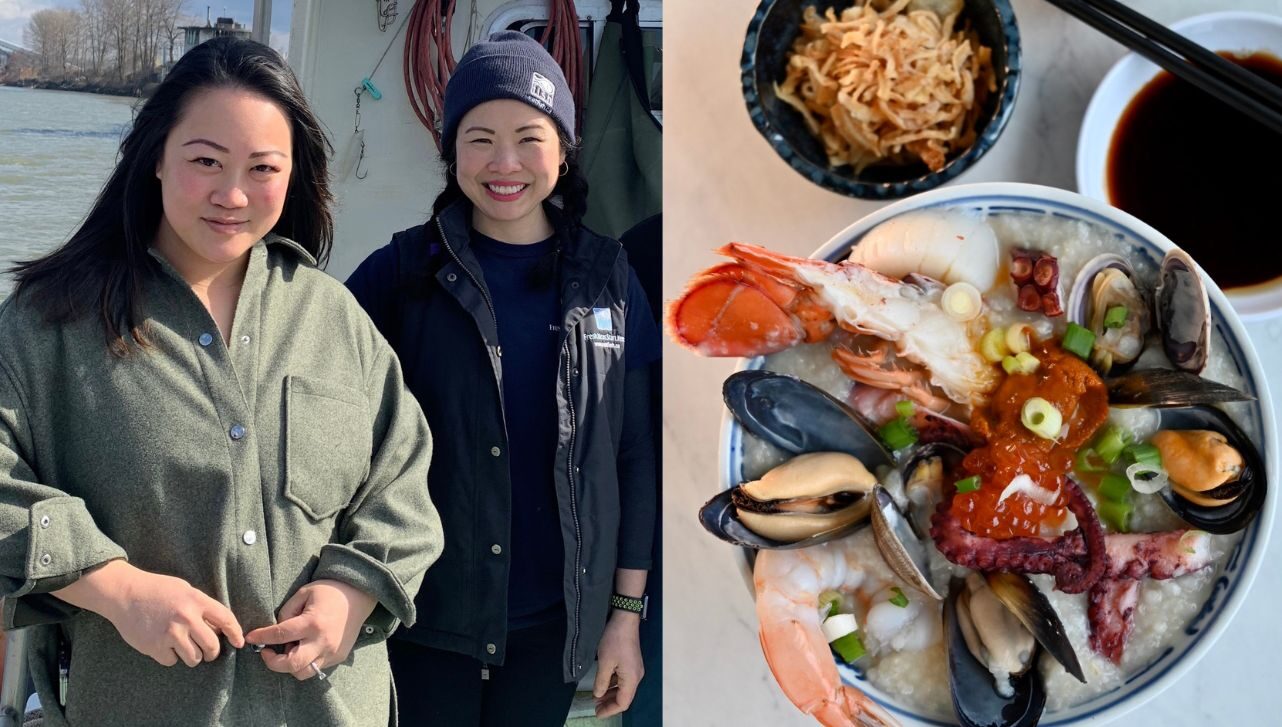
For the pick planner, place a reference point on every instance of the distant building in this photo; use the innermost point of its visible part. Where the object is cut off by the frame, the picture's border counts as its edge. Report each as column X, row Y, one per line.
column 197, row 34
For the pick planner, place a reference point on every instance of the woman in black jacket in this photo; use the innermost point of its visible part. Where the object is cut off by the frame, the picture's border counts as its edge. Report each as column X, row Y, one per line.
column 526, row 338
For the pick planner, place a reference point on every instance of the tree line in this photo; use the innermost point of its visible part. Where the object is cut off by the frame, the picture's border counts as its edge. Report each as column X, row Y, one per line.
column 105, row 40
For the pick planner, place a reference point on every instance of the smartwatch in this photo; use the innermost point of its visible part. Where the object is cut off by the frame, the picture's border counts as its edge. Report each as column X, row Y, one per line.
column 639, row 606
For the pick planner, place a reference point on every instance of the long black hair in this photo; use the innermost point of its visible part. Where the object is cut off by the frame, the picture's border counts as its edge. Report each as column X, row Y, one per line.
column 101, row 268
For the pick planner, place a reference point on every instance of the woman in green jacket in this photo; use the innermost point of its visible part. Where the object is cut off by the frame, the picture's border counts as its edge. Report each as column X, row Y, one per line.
column 205, row 445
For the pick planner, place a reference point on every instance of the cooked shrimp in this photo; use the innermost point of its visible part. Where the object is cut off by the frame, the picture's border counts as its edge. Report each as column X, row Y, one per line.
column 788, row 586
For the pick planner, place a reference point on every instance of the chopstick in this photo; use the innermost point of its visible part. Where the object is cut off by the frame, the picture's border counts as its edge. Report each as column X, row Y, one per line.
column 1184, row 59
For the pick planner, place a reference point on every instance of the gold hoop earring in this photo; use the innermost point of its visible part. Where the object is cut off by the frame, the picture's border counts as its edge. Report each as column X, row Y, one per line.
column 565, row 169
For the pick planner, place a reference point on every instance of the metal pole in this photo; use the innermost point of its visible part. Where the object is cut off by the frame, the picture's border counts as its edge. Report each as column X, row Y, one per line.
column 13, row 694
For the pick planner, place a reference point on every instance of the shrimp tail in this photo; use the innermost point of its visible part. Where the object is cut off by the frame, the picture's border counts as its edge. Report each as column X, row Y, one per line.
column 804, row 669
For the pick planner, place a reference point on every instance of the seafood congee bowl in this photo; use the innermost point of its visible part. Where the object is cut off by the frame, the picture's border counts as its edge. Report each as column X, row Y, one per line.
column 997, row 454
column 881, row 99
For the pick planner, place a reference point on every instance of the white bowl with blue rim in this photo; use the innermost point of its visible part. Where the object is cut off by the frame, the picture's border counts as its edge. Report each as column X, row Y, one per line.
column 1242, row 565
column 1233, row 31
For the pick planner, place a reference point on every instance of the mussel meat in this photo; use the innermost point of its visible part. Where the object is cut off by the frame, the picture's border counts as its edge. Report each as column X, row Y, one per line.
column 808, row 494
column 1183, row 312
column 799, row 417
column 990, row 659
column 810, row 499
column 1108, row 283
column 1224, row 506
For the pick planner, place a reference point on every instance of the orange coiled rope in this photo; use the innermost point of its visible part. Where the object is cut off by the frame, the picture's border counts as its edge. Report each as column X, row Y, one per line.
column 566, row 50
column 429, row 61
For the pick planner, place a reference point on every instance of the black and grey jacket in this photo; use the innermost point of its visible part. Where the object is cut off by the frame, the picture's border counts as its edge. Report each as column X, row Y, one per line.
column 426, row 294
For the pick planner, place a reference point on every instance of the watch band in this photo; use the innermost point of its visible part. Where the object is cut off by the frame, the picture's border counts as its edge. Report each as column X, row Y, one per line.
column 638, row 606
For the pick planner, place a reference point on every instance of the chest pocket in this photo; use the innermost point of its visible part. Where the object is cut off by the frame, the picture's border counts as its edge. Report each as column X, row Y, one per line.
column 328, row 443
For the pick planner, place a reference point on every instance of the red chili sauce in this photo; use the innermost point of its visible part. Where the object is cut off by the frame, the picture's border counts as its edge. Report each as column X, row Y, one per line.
column 1072, row 387
column 1203, row 174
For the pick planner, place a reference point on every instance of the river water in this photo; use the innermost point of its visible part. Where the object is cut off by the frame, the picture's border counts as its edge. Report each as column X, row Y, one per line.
column 56, row 150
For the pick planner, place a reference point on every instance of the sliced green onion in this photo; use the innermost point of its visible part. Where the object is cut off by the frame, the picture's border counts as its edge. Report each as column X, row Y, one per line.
column 1078, row 340
column 970, row 484
column 898, row 598
column 1021, row 363
column 1116, row 514
column 1189, row 541
column 829, row 603
column 1041, row 418
column 1145, row 453
column 962, row 301
column 1088, row 461
column 1146, row 478
column 993, row 345
column 835, row 627
column 849, row 647
column 905, row 408
column 1019, row 337
column 1115, row 317
column 1115, row 487
column 1110, row 444
column 897, row 434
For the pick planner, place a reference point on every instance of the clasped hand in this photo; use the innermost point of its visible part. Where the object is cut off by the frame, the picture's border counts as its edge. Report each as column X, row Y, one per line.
column 168, row 620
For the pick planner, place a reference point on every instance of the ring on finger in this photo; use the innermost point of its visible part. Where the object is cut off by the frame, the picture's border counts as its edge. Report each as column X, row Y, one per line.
column 320, row 675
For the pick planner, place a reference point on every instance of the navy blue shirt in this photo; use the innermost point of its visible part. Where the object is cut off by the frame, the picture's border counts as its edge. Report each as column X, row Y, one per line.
column 528, row 315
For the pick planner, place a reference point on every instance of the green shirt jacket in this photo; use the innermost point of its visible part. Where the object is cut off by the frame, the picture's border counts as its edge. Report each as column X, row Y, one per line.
column 294, row 453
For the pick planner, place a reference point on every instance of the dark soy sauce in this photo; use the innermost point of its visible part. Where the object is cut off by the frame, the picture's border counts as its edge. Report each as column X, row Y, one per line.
column 1204, row 175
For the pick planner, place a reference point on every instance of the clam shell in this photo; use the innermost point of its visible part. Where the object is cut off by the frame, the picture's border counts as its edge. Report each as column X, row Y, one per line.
column 1081, row 308
column 1183, row 312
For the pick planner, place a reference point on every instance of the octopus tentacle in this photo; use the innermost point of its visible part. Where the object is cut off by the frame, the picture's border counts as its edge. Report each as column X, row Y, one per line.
column 1111, row 611
column 1072, row 577
column 1077, row 559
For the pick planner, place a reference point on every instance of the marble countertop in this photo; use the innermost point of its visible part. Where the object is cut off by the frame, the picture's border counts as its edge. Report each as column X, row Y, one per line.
column 723, row 183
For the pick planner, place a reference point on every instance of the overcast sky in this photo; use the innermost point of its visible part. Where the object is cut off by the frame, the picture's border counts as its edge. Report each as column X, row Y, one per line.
column 15, row 13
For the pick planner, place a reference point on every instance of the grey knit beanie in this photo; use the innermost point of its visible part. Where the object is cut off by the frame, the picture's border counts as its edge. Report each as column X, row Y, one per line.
column 508, row 65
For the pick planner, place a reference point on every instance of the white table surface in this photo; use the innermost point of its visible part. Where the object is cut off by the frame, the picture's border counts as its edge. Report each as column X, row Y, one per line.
column 723, row 183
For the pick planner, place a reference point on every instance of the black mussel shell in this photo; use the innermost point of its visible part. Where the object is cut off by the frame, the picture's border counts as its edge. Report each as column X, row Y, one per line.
column 799, row 417
column 975, row 697
column 1238, row 514
column 900, row 545
column 718, row 517
column 1017, row 592
column 1164, row 388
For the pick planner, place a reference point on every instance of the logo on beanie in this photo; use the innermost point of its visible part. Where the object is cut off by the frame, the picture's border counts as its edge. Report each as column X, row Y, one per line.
column 542, row 89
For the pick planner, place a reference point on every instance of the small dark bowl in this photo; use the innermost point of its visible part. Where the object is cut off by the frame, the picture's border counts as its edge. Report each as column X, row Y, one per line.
column 771, row 33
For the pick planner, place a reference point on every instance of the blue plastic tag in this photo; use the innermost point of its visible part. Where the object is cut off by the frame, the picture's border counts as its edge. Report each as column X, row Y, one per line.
column 373, row 90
